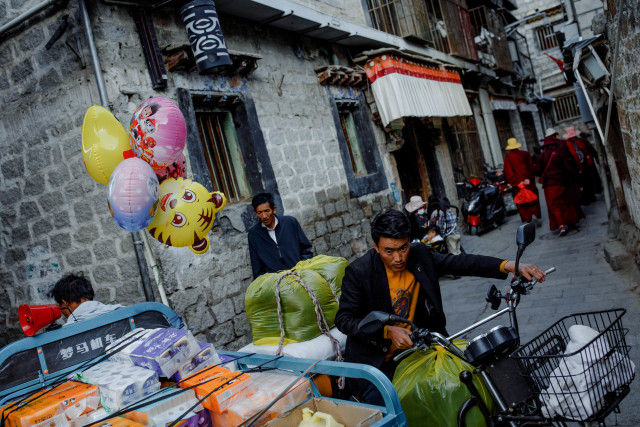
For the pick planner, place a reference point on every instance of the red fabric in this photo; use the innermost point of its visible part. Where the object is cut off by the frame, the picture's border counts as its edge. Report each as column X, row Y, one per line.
column 562, row 206
column 518, row 166
column 559, row 169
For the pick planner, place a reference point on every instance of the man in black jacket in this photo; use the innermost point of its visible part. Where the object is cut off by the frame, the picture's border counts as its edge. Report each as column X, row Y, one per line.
column 276, row 242
column 401, row 278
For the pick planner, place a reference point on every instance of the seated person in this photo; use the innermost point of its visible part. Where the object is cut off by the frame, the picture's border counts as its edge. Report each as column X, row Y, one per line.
column 433, row 239
column 74, row 294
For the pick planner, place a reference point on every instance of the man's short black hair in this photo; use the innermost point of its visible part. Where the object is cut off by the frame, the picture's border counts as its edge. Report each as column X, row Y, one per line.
column 392, row 224
column 72, row 288
column 262, row 198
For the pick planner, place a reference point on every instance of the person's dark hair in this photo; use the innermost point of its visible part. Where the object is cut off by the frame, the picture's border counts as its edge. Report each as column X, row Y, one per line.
column 262, row 198
column 391, row 224
column 434, row 228
column 72, row 288
column 154, row 108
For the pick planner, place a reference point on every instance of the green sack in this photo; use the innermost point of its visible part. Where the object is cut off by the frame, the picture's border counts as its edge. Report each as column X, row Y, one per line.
column 323, row 276
column 431, row 392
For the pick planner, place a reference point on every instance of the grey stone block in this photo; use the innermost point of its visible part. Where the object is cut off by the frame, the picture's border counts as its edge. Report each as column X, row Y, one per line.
column 224, row 311
column 329, row 209
column 10, row 196
column 29, row 210
column 13, row 168
column 103, row 249
column 80, row 258
column 617, row 255
column 221, row 335
column 34, row 185
column 86, row 234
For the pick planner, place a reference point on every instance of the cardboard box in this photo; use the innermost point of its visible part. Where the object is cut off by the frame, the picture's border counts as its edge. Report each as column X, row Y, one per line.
column 225, row 383
column 70, row 398
column 349, row 414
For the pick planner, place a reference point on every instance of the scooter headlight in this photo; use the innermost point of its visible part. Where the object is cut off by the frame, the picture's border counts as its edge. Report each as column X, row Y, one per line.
column 473, row 203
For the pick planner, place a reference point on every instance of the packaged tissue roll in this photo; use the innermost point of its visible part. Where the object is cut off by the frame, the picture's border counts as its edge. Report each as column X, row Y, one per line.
column 218, row 384
column 71, row 399
column 165, row 350
column 120, row 385
column 207, row 356
column 171, row 405
column 121, row 349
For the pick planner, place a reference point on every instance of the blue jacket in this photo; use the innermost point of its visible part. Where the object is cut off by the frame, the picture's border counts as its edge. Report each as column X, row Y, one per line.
column 269, row 257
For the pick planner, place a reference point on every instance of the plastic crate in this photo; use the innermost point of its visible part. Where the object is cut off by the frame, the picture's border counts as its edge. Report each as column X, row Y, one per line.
column 586, row 384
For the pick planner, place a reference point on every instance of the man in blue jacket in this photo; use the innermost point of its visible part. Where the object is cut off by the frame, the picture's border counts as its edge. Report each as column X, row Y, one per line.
column 276, row 242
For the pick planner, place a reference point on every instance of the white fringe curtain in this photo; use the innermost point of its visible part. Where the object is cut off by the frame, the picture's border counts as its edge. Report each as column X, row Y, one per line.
column 404, row 88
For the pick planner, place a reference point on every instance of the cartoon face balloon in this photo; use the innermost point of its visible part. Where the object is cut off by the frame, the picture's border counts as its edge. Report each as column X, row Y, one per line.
column 157, row 132
column 133, row 194
column 185, row 215
column 176, row 169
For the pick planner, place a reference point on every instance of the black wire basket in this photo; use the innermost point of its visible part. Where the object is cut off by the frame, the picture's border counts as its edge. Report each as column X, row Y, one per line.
column 579, row 382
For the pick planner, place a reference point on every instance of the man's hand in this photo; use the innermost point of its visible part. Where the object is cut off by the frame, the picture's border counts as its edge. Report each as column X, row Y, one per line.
column 400, row 337
column 527, row 270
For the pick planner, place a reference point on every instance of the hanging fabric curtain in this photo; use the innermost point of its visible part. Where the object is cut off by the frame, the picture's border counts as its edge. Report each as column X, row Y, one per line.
column 404, row 88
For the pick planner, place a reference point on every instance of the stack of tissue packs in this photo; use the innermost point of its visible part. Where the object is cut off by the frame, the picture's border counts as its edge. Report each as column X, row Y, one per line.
column 161, row 350
column 172, row 404
column 120, row 385
column 207, row 356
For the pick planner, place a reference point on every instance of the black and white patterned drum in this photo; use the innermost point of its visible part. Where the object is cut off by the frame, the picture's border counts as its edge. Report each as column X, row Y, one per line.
column 205, row 35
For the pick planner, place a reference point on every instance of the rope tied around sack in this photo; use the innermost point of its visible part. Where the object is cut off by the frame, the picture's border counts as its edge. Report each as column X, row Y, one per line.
column 322, row 320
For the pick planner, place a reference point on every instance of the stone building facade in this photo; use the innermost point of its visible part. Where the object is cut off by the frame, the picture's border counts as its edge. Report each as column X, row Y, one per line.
column 574, row 18
column 55, row 219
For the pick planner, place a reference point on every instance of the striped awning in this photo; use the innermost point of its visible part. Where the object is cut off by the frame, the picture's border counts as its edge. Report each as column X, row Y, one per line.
column 404, row 88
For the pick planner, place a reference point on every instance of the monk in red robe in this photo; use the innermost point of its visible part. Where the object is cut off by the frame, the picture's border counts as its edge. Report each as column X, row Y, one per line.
column 519, row 169
column 559, row 174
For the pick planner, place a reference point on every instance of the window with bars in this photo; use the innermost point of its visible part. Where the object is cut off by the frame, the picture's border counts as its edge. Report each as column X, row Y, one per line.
column 565, row 107
column 353, row 143
column 384, row 16
column 222, row 154
column 547, row 37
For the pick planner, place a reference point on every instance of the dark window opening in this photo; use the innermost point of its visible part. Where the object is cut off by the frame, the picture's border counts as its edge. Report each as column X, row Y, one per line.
column 358, row 148
column 547, row 37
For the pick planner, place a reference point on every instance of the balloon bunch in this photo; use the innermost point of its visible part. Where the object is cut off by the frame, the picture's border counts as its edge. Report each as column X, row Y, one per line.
column 145, row 173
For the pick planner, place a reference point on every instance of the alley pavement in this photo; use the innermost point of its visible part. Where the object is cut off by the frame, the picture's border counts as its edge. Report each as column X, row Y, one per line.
column 583, row 282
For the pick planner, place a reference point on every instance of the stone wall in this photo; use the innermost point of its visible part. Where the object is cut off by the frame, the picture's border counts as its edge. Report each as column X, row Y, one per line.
column 628, row 106
column 55, row 217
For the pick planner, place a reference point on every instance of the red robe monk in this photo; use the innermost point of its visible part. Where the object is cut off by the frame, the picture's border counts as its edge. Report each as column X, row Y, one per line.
column 519, row 169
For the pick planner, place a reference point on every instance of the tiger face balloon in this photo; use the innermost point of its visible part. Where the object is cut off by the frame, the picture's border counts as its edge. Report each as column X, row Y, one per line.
column 185, row 214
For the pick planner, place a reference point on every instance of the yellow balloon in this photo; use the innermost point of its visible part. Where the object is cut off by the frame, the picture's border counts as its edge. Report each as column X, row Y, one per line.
column 185, row 214
column 105, row 143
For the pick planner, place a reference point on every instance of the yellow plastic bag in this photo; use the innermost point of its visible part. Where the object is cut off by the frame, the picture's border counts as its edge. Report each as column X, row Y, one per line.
column 321, row 274
column 431, row 392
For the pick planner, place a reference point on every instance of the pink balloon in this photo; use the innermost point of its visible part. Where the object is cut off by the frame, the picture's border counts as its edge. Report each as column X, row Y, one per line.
column 176, row 169
column 133, row 194
column 157, row 132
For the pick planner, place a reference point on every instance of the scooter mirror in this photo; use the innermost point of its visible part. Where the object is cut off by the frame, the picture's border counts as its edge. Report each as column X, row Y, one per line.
column 525, row 235
column 376, row 320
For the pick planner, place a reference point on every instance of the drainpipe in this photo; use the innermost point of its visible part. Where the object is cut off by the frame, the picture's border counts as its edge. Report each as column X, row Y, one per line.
column 490, row 125
column 28, row 14
column 137, row 237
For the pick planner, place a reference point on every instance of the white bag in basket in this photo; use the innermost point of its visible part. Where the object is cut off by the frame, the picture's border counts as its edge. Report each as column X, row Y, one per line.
column 577, row 385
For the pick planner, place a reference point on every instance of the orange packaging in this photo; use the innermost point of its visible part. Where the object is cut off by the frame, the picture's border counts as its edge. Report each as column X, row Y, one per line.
column 70, row 398
column 119, row 422
column 226, row 384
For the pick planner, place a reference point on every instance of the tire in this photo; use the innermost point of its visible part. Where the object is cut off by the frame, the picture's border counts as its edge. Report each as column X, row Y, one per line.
column 473, row 230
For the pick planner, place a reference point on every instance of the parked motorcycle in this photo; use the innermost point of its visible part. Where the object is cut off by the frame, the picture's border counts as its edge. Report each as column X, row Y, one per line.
column 483, row 206
column 496, row 177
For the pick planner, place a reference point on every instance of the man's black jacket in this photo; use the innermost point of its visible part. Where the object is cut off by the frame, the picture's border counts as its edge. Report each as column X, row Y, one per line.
column 269, row 257
column 365, row 288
